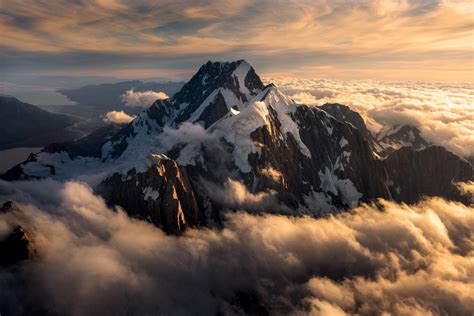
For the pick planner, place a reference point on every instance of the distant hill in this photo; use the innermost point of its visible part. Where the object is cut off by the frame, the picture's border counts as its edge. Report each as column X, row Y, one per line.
column 109, row 95
column 26, row 125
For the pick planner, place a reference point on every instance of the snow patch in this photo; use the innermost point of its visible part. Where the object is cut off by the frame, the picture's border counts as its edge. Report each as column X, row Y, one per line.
column 284, row 106
column 150, row 193
column 343, row 142
column 234, row 111
column 333, row 184
column 237, row 130
column 240, row 73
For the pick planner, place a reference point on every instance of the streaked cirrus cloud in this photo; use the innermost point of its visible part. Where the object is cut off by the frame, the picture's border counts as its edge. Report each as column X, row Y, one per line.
column 400, row 39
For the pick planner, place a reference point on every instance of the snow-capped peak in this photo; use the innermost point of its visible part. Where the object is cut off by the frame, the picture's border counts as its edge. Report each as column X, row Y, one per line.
column 210, row 94
column 240, row 73
column 237, row 127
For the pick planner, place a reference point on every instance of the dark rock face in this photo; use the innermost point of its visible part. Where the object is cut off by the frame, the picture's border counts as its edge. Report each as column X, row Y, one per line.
column 16, row 247
column 210, row 77
column 163, row 195
column 344, row 113
column 345, row 141
column 329, row 168
column 389, row 139
column 394, row 137
column 26, row 125
column 429, row 172
column 8, row 206
column 214, row 111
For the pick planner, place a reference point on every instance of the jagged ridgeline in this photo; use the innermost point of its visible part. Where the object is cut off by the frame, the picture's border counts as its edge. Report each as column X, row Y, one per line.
column 178, row 163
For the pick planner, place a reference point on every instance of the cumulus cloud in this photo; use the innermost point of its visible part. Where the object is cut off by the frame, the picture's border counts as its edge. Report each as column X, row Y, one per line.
column 467, row 188
column 396, row 259
column 118, row 117
column 142, row 98
column 443, row 112
column 272, row 173
column 186, row 133
column 234, row 195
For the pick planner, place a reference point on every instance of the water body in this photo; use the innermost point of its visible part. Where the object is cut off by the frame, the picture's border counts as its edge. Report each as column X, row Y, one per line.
column 11, row 157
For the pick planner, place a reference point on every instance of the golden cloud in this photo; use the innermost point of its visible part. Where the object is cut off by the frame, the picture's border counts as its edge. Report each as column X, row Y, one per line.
column 432, row 32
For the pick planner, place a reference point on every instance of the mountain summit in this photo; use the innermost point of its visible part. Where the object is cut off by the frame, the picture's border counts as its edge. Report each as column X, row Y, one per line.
column 227, row 141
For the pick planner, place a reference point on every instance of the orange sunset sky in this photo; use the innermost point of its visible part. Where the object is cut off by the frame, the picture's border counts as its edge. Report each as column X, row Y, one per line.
column 429, row 40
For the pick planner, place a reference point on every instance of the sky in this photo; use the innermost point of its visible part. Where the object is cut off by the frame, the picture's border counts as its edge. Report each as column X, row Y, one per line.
column 427, row 40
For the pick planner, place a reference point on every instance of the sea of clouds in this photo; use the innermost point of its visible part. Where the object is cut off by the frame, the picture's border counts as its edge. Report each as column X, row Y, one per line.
column 94, row 260
column 444, row 112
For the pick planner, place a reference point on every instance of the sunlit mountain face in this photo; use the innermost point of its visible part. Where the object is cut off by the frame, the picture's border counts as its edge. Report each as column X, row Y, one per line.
column 236, row 158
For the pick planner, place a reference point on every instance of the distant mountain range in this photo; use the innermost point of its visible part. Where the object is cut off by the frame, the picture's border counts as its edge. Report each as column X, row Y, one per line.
column 225, row 137
column 26, row 125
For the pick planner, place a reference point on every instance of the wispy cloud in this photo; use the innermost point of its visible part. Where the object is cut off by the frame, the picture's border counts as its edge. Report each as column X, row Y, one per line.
column 142, row 98
column 375, row 37
column 118, row 117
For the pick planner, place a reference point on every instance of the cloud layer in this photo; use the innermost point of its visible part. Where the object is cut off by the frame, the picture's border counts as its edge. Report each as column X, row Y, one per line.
column 118, row 117
column 443, row 112
column 393, row 258
column 143, row 99
column 404, row 39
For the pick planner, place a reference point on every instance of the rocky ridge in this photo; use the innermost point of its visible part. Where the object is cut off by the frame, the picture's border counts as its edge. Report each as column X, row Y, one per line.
column 225, row 124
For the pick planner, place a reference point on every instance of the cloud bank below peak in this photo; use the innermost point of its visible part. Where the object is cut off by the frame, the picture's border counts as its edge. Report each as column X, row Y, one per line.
column 401, row 260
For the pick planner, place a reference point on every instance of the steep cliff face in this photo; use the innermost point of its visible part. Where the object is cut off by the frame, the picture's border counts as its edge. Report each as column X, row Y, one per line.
column 17, row 245
column 338, row 171
column 392, row 138
column 225, row 125
column 162, row 195
column 432, row 171
column 343, row 113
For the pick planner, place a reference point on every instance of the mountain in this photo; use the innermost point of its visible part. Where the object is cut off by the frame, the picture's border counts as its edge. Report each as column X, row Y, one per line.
column 109, row 95
column 16, row 245
column 386, row 141
column 226, row 141
column 343, row 113
column 391, row 138
column 26, row 125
